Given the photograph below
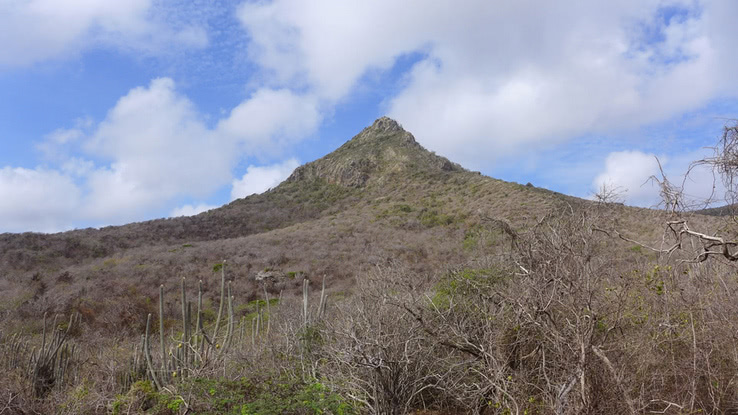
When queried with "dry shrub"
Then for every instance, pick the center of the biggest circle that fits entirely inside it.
(376, 352)
(573, 322)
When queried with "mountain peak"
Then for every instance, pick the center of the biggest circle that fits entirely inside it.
(378, 152)
(386, 125)
(384, 131)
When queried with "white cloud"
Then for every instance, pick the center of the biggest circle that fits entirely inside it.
(64, 136)
(701, 185)
(261, 178)
(495, 79)
(290, 38)
(36, 30)
(159, 149)
(629, 172)
(152, 148)
(271, 119)
(190, 210)
(56, 145)
(77, 167)
(489, 80)
(720, 27)
(36, 200)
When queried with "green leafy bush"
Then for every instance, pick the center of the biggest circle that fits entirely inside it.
(288, 397)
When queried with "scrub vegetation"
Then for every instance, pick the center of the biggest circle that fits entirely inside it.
(380, 279)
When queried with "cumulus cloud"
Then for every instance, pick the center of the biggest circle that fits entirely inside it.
(57, 144)
(496, 78)
(158, 148)
(292, 41)
(190, 210)
(486, 81)
(629, 172)
(36, 30)
(271, 119)
(37, 200)
(258, 179)
(154, 147)
(77, 167)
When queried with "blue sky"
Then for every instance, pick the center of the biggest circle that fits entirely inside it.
(112, 112)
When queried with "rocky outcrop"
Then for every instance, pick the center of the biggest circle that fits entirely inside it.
(380, 149)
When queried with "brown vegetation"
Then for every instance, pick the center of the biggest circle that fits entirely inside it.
(446, 292)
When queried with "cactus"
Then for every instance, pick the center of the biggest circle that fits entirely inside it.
(161, 324)
(306, 305)
(305, 294)
(147, 354)
(202, 338)
(269, 311)
(185, 325)
(321, 306)
(229, 330)
(222, 299)
(253, 331)
(136, 369)
(49, 365)
(195, 349)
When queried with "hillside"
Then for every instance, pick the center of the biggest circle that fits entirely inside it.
(379, 208)
(379, 198)
(727, 210)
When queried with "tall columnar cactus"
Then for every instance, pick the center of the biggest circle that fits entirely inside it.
(161, 326)
(269, 311)
(201, 338)
(321, 305)
(195, 349)
(147, 354)
(185, 325)
(136, 370)
(13, 351)
(306, 318)
(49, 365)
(305, 295)
(229, 330)
(222, 299)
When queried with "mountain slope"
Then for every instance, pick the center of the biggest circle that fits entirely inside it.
(427, 264)
(380, 198)
(382, 155)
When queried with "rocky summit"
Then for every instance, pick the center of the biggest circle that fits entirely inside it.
(380, 150)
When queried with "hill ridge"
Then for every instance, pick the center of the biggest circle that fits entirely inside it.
(384, 148)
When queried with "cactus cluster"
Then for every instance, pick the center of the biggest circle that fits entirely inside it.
(13, 351)
(195, 348)
(50, 364)
(307, 318)
(136, 369)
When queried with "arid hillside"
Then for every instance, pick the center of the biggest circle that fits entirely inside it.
(488, 279)
(378, 199)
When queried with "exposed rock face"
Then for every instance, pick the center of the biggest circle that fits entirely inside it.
(379, 150)
(385, 125)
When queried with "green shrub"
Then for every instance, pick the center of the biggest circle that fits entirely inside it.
(431, 217)
(460, 285)
(143, 398)
(290, 397)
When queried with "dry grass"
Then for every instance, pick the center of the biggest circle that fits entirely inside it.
(559, 319)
